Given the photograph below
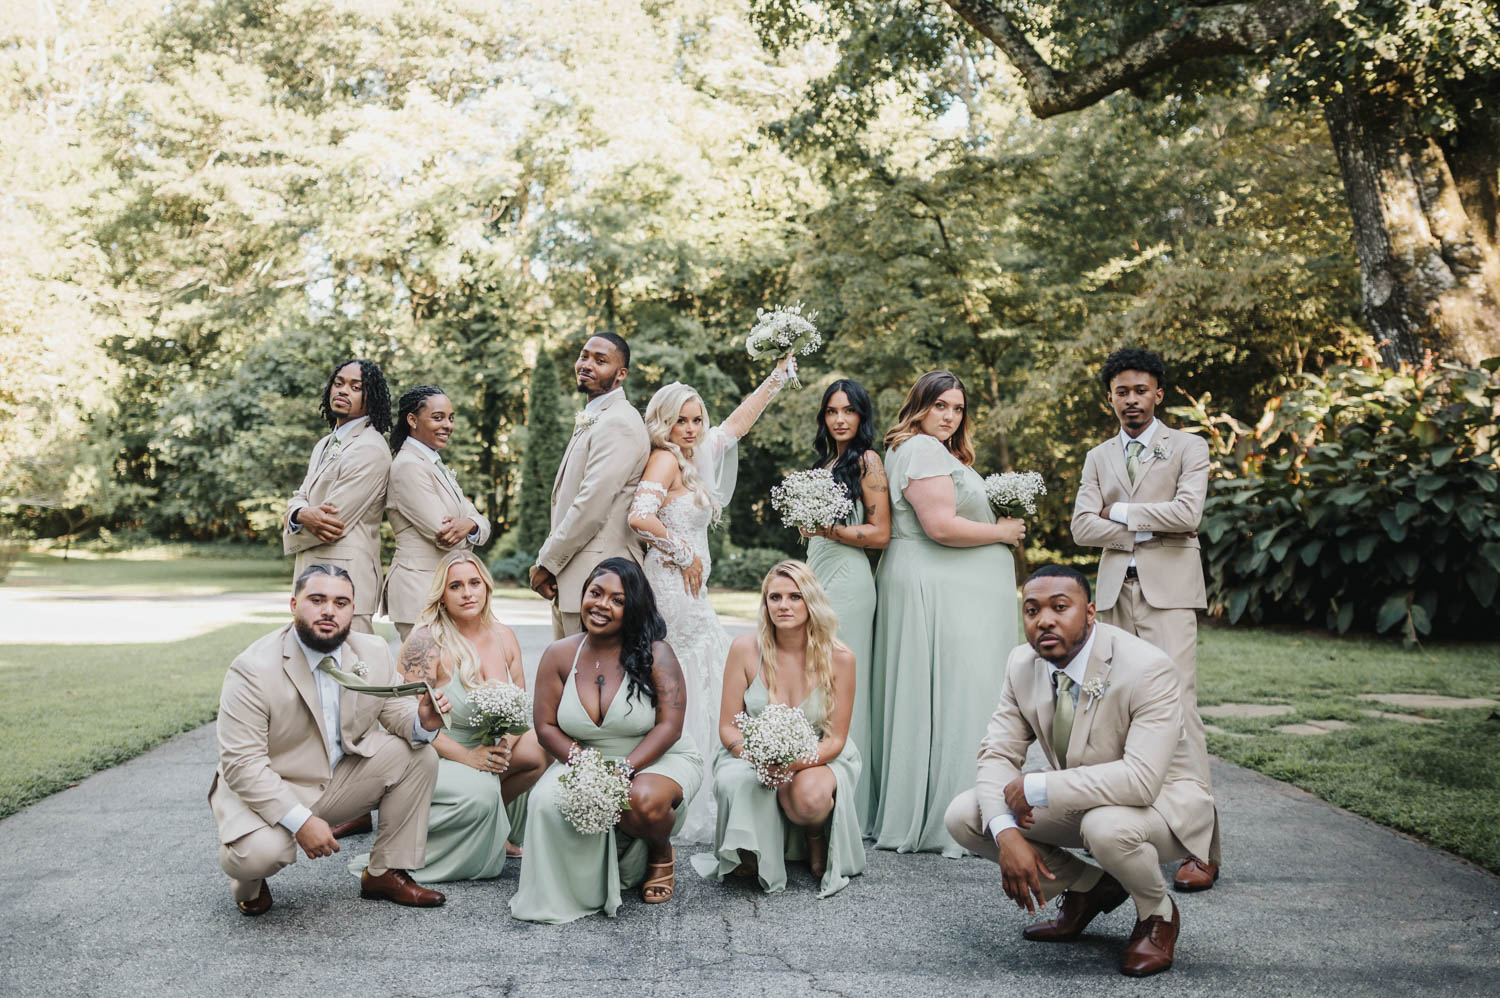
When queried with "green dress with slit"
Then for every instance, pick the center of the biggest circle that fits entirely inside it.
(750, 818)
(566, 874)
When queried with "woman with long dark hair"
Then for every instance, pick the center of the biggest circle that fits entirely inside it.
(946, 617)
(616, 688)
(845, 444)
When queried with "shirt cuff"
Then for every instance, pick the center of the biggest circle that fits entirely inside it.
(421, 734)
(473, 537)
(294, 819)
(1002, 822)
(1035, 787)
(293, 525)
(1118, 512)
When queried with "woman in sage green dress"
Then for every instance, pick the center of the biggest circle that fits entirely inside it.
(946, 618)
(845, 445)
(615, 688)
(794, 658)
(480, 798)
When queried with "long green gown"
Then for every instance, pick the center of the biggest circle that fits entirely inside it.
(945, 623)
(751, 819)
(845, 574)
(468, 823)
(566, 874)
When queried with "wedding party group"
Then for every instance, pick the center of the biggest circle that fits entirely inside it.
(894, 704)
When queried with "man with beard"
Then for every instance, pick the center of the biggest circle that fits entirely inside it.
(298, 751)
(594, 485)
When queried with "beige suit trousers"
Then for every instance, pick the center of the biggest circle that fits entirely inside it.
(1129, 843)
(1176, 633)
(565, 624)
(363, 623)
(398, 779)
(402, 630)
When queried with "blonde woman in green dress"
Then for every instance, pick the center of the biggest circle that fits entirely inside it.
(845, 445)
(480, 794)
(945, 621)
(794, 658)
(615, 688)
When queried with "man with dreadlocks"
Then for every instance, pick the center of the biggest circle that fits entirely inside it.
(334, 516)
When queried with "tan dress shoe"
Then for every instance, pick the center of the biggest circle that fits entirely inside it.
(397, 886)
(258, 905)
(1151, 944)
(1077, 909)
(1195, 875)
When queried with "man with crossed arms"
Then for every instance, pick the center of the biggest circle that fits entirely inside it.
(1106, 708)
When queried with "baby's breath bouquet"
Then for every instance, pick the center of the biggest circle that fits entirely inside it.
(500, 709)
(811, 499)
(1013, 492)
(592, 791)
(778, 736)
(781, 328)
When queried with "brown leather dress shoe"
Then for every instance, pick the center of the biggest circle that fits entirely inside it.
(397, 886)
(355, 826)
(1151, 944)
(258, 905)
(1195, 875)
(1077, 910)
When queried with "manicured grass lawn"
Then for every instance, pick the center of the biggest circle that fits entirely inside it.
(155, 573)
(1435, 781)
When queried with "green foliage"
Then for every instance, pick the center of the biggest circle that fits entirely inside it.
(1365, 498)
(546, 440)
(746, 569)
(514, 567)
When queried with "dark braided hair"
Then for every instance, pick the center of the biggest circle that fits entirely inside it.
(642, 624)
(412, 402)
(849, 468)
(377, 395)
(1133, 359)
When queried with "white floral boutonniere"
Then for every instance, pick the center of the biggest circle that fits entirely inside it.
(1095, 689)
(1160, 451)
(361, 670)
(584, 420)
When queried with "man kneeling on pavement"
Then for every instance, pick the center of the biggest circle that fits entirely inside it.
(1105, 707)
(297, 750)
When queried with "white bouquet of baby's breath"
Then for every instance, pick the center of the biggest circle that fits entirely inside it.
(592, 792)
(1014, 491)
(778, 736)
(811, 499)
(781, 328)
(500, 709)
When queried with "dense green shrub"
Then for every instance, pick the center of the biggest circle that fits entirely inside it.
(1365, 497)
(514, 567)
(746, 568)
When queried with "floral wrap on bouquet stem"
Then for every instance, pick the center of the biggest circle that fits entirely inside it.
(1012, 493)
(592, 791)
(811, 500)
(781, 328)
(775, 738)
(500, 709)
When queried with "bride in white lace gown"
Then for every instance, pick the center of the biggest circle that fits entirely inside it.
(688, 480)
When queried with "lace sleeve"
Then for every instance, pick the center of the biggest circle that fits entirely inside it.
(648, 500)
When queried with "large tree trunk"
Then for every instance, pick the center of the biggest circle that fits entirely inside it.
(1424, 214)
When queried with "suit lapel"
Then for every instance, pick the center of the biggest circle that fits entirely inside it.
(294, 663)
(1098, 667)
(1115, 456)
(1148, 459)
(1046, 706)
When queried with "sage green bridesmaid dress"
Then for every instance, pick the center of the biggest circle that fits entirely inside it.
(751, 819)
(944, 626)
(845, 575)
(566, 874)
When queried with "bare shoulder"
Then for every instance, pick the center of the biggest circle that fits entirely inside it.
(871, 464)
(843, 657)
(661, 466)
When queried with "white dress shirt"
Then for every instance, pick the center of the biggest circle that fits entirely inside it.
(1035, 784)
(435, 458)
(328, 698)
(1120, 511)
(340, 433)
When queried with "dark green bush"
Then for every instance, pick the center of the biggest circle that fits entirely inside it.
(513, 567)
(746, 568)
(1364, 498)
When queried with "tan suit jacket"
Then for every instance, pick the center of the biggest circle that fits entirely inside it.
(272, 752)
(1167, 498)
(591, 499)
(419, 496)
(355, 481)
(1127, 748)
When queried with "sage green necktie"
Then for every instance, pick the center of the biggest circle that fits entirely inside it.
(354, 684)
(1062, 718)
(1133, 459)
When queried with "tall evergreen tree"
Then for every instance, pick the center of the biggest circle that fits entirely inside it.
(546, 439)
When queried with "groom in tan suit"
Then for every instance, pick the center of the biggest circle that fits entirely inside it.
(296, 751)
(1141, 499)
(1106, 708)
(334, 516)
(594, 485)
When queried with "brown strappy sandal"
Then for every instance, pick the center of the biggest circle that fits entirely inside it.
(659, 886)
(817, 854)
(749, 868)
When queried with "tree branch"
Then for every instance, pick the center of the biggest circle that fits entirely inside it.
(1199, 32)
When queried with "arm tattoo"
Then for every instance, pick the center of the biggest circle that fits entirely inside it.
(876, 481)
(419, 659)
(669, 690)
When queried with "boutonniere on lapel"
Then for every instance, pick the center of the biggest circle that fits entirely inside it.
(584, 420)
(334, 446)
(1095, 689)
(361, 670)
(1161, 451)
(452, 475)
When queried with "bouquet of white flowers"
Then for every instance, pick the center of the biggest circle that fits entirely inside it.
(592, 792)
(811, 499)
(500, 709)
(781, 328)
(1014, 491)
(778, 736)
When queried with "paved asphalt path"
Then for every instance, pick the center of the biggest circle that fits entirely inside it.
(111, 888)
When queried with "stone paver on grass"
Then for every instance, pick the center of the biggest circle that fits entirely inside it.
(1429, 701)
(1313, 727)
(1246, 710)
(1403, 718)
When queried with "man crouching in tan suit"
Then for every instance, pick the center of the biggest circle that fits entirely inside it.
(1106, 708)
(296, 751)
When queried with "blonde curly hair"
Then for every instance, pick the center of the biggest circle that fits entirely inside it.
(662, 413)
